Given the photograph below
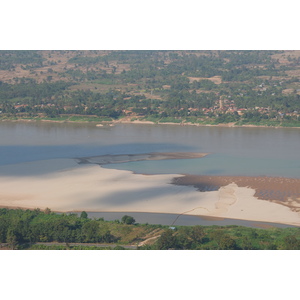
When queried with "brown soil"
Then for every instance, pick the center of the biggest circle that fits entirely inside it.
(285, 191)
(282, 57)
(293, 73)
(288, 91)
(151, 96)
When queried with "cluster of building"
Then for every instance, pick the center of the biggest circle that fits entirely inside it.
(226, 106)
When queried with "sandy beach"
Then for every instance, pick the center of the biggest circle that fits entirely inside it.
(275, 189)
(69, 186)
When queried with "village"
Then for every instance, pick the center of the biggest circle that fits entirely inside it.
(226, 106)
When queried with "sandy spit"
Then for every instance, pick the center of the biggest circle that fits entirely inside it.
(121, 158)
(72, 187)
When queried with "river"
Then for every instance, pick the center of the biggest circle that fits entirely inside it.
(233, 151)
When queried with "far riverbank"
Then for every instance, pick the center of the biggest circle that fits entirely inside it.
(99, 123)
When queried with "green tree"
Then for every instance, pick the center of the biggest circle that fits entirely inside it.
(197, 234)
(246, 243)
(12, 238)
(128, 220)
(90, 232)
(47, 211)
(227, 243)
(83, 215)
(291, 243)
(223, 240)
(167, 240)
(107, 237)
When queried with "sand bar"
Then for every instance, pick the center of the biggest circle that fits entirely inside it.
(124, 158)
(282, 190)
(72, 187)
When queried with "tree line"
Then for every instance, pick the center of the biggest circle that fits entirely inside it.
(20, 229)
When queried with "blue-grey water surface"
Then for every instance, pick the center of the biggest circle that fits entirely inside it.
(233, 151)
(181, 220)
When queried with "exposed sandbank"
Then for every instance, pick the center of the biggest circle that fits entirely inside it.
(123, 158)
(73, 187)
(282, 190)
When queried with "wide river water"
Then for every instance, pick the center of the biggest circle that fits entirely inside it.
(233, 151)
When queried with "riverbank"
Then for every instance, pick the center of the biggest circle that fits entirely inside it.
(72, 187)
(101, 123)
(184, 123)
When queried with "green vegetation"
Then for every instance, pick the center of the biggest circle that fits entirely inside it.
(227, 238)
(37, 230)
(88, 119)
(207, 87)
(9, 59)
(127, 220)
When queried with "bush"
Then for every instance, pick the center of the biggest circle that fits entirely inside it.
(128, 220)
(83, 215)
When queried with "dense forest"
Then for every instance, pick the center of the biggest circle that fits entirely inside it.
(36, 229)
(201, 87)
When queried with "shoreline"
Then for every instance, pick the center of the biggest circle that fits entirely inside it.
(88, 187)
(203, 219)
(122, 121)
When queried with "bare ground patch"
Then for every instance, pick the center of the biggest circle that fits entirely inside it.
(281, 190)
(283, 57)
(214, 79)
